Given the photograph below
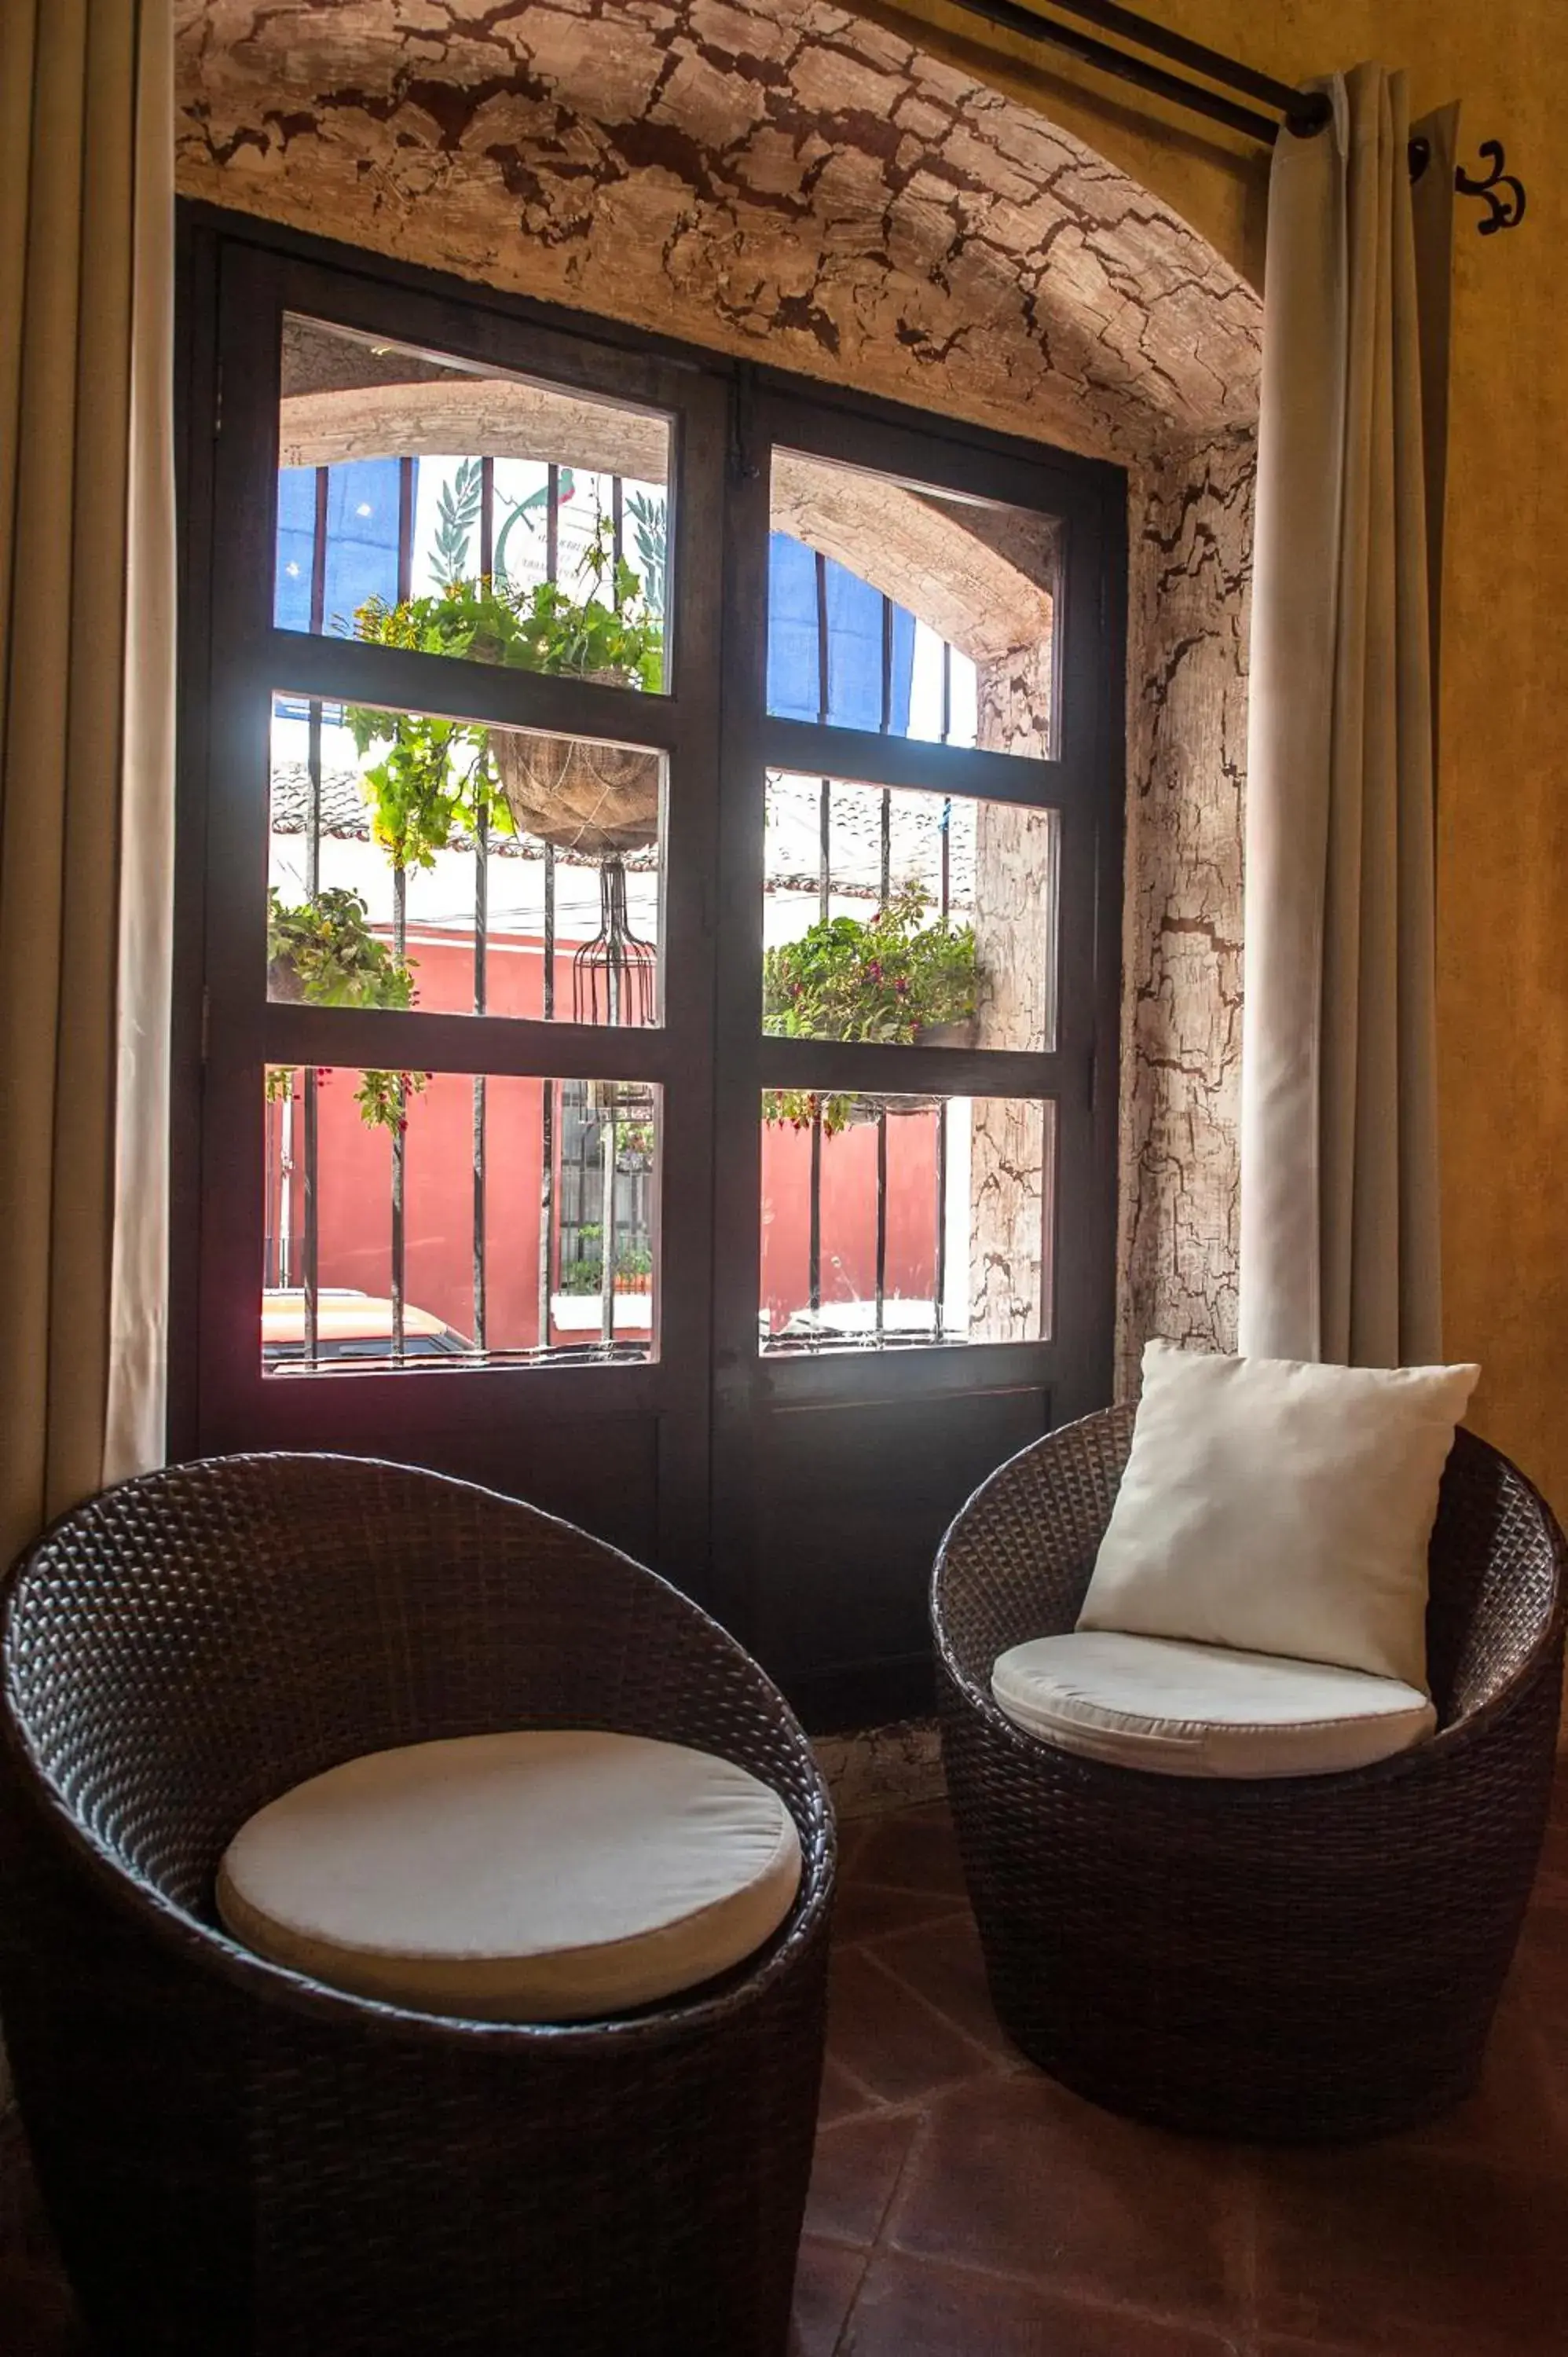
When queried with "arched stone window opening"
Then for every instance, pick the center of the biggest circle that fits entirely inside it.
(796, 185)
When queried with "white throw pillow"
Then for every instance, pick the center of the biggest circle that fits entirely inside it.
(1277, 1507)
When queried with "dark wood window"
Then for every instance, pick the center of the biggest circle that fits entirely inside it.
(651, 867)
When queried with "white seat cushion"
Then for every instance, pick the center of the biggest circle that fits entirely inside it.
(1280, 1508)
(1200, 1710)
(540, 1877)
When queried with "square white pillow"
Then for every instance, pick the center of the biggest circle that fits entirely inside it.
(1275, 1507)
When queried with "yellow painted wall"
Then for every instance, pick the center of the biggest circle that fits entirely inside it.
(1504, 788)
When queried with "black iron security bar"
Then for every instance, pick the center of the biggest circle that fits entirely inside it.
(1303, 111)
(828, 1063)
(292, 1256)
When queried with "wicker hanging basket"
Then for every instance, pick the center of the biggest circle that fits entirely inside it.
(285, 986)
(582, 795)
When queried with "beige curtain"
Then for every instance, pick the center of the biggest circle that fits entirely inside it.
(86, 742)
(1340, 1179)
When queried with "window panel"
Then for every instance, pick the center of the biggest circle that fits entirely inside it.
(450, 1220)
(463, 869)
(429, 503)
(915, 612)
(893, 1221)
(907, 918)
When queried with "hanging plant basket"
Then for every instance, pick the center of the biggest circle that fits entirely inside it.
(580, 795)
(865, 1109)
(796, 1108)
(964, 1034)
(286, 984)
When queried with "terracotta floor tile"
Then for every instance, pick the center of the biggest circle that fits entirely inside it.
(1017, 2176)
(1541, 1965)
(857, 2166)
(1551, 2032)
(916, 1850)
(853, 1834)
(37, 2317)
(843, 2097)
(826, 2280)
(868, 1910)
(909, 2307)
(943, 1963)
(887, 2037)
(1273, 2345)
(1512, 2121)
(1411, 2255)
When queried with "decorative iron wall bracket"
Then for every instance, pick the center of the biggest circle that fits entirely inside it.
(1504, 195)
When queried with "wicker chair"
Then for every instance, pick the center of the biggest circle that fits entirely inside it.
(238, 2159)
(1301, 1959)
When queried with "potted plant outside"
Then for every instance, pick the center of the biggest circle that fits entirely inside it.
(893, 979)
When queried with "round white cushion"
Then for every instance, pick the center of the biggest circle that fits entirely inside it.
(553, 1876)
(1180, 1709)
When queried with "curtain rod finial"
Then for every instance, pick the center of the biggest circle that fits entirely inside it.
(1313, 113)
(1504, 194)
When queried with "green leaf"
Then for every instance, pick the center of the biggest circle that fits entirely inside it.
(883, 979)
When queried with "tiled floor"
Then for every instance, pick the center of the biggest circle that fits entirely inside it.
(964, 2206)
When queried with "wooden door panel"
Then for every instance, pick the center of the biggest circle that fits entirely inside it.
(852, 1505)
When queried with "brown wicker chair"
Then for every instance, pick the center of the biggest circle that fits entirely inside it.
(238, 2159)
(1301, 1959)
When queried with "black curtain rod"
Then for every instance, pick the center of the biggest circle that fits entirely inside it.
(1303, 111)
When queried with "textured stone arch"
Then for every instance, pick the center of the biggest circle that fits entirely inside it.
(759, 176)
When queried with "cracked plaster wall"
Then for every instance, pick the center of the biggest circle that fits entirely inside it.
(1181, 998)
(797, 182)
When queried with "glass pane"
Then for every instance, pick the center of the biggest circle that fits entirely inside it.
(434, 504)
(911, 611)
(462, 870)
(447, 1220)
(907, 918)
(888, 1221)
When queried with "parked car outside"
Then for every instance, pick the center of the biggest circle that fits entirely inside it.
(350, 1326)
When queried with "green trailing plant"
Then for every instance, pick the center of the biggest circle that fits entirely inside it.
(886, 979)
(433, 778)
(432, 782)
(325, 951)
(327, 945)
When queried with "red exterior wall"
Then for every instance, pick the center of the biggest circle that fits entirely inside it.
(354, 1193)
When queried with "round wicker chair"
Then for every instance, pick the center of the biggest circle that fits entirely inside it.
(1300, 1959)
(236, 2158)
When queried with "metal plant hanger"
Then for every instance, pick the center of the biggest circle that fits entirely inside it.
(613, 975)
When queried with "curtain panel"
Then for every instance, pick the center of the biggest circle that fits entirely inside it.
(1339, 1256)
(87, 575)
